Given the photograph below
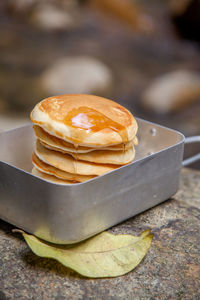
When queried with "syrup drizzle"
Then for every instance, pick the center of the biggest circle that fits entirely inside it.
(124, 149)
(91, 120)
(75, 158)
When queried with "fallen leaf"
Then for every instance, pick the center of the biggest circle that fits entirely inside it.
(104, 255)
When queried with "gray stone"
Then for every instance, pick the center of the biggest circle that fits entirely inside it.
(49, 17)
(171, 269)
(172, 91)
(77, 74)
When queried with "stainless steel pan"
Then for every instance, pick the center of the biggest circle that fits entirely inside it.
(71, 213)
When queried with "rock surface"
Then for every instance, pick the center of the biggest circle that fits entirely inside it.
(171, 269)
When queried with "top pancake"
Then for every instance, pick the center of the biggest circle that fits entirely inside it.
(85, 120)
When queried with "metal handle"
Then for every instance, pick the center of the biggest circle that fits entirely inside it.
(190, 160)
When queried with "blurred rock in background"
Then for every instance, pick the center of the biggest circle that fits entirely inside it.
(77, 74)
(49, 17)
(172, 92)
(54, 14)
(130, 51)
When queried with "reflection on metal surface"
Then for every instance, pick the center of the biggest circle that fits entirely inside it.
(153, 131)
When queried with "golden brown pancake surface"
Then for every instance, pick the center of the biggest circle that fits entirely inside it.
(67, 163)
(121, 157)
(48, 169)
(85, 120)
(50, 178)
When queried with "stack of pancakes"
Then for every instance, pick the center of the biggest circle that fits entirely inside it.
(80, 137)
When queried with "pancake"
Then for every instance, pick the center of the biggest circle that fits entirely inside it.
(45, 168)
(50, 177)
(68, 164)
(58, 144)
(107, 157)
(85, 120)
(102, 156)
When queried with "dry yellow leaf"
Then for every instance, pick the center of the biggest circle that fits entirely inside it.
(104, 255)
